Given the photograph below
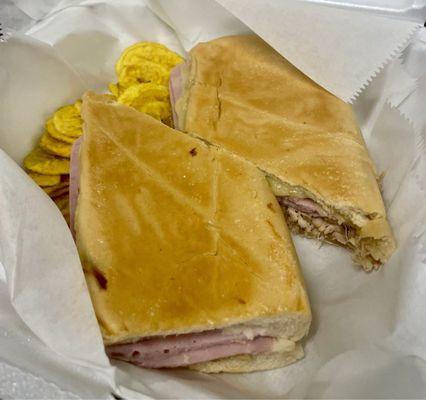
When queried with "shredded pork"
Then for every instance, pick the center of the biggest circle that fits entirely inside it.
(308, 217)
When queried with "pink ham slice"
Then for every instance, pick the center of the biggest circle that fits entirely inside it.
(176, 90)
(74, 179)
(182, 350)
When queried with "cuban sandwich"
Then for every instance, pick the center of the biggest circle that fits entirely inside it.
(238, 93)
(186, 253)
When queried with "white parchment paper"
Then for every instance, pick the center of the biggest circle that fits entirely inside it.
(367, 338)
(340, 49)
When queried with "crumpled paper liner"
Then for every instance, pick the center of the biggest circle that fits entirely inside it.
(367, 334)
(340, 49)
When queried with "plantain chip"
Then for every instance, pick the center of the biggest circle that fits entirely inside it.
(114, 89)
(143, 92)
(54, 146)
(67, 120)
(78, 105)
(157, 109)
(57, 192)
(146, 71)
(62, 202)
(43, 163)
(168, 121)
(153, 52)
(51, 129)
(45, 180)
(54, 192)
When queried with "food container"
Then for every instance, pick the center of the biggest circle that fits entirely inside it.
(367, 338)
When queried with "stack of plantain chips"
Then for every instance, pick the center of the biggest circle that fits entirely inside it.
(49, 163)
(143, 72)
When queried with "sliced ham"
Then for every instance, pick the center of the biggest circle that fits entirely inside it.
(74, 180)
(176, 90)
(182, 350)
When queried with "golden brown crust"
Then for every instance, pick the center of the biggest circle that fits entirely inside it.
(271, 114)
(174, 239)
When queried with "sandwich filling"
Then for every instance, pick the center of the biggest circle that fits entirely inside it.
(176, 90)
(306, 215)
(187, 349)
(74, 177)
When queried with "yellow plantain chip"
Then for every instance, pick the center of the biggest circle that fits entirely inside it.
(146, 71)
(154, 52)
(62, 202)
(136, 95)
(54, 146)
(114, 89)
(67, 120)
(50, 127)
(77, 106)
(43, 163)
(157, 109)
(168, 121)
(45, 180)
(65, 181)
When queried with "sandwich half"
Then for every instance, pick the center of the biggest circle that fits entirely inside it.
(185, 250)
(239, 93)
